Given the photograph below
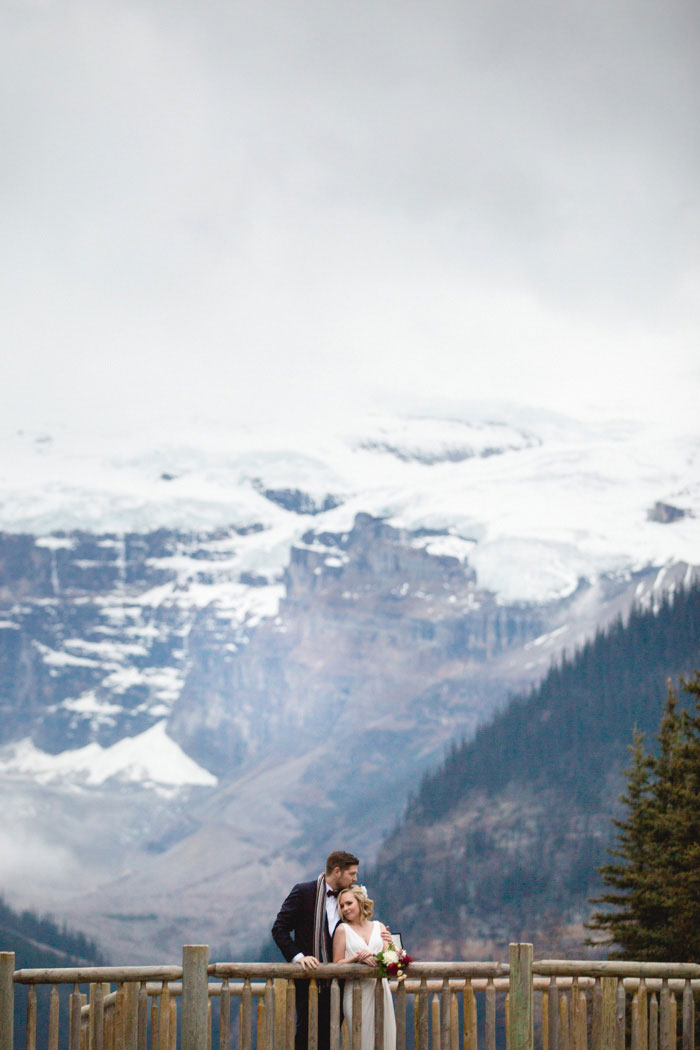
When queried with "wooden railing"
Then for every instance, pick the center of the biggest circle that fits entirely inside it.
(520, 1005)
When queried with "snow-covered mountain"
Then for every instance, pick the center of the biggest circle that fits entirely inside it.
(222, 655)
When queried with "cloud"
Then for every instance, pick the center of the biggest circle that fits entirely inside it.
(275, 207)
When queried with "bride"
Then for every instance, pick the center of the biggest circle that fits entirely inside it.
(358, 939)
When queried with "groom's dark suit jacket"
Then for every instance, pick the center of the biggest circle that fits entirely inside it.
(293, 930)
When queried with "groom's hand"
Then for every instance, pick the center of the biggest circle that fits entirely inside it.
(386, 937)
(308, 962)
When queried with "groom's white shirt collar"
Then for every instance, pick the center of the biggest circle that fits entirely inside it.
(332, 913)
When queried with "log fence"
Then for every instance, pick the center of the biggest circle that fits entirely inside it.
(519, 1005)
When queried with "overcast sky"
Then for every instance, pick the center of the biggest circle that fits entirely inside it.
(239, 208)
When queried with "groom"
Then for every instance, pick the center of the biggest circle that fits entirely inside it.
(303, 932)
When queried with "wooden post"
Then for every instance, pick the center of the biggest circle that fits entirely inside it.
(246, 1023)
(7, 1000)
(609, 1013)
(84, 1023)
(164, 1014)
(634, 1022)
(582, 1022)
(597, 1019)
(261, 1026)
(109, 1027)
(142, 1036)
(401, 1016)
(131, 1014)
(454, 1021)
(553, 1015)
(564, 1022)
(416, 1021)
(422, 1017)
(653, 1022)
(269, 1015)
(335, 1015)
(400, 1010)
(643, 1016)
(195, 997)
(688, 1018)
(574, 1010)
(280, 986)
(620, 1006)
(469, 1018)
(291, 1014)
(356, 1026)
(507, 1019)
(119, 1018)
(54, 1005)
(155, 1025)
(573, 1014)
(665, 1017)
(91, 1016)
(74, 1030)
(521, 1020)
(31, 1018)
(225, 1016)
(435, 1017)
(378, 1014)
(445, 1015)
(490, 1020)
(312, 1021)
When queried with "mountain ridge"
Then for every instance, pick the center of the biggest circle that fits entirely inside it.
(260, 637)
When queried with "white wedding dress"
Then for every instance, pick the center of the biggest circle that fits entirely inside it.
(353, 944)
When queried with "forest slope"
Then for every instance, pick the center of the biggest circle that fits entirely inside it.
(502, 842)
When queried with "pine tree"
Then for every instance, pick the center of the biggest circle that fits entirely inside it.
(679, 830)
(653, 910)
(632, 876)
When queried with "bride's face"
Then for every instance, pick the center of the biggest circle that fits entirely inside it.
(349, 907)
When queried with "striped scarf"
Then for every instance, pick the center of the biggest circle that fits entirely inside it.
(320, 942)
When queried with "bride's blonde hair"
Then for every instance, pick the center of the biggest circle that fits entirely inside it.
(366, 905)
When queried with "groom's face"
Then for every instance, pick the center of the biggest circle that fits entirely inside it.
(341, 879)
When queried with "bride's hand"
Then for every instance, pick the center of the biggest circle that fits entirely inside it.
(366, 957)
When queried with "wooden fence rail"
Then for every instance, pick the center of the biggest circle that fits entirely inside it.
(519, 1005)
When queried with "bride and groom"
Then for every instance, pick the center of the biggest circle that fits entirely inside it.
(330, 920)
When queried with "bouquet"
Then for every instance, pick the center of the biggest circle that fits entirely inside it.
(393, 961)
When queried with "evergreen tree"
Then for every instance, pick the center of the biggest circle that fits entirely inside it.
(653, 910)
(679, 831)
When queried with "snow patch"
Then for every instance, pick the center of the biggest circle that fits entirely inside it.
(90, 704)
(55, 658)
(545, 639)
(56, 543)
(151, 759)
(528, 570)
(446, 547)
(164, 682)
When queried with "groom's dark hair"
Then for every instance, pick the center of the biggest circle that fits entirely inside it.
(340, 858)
